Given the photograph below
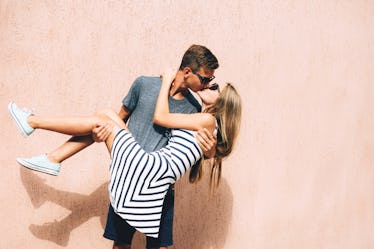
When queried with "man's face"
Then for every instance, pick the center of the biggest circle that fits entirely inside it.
(199, 80)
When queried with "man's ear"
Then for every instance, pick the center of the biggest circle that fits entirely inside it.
(186, 72)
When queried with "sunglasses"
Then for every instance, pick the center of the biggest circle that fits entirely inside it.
(205, 80)
(214, 87)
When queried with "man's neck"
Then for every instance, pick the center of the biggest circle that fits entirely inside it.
(177, 93)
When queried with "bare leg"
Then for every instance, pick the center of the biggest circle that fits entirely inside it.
(76, 126)
(73, 125)
(70, 148)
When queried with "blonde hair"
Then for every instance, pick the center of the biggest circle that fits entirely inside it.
(227, 111)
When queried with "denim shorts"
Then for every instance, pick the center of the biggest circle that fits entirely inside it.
(120, 232)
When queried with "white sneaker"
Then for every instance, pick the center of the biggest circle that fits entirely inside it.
(40, 163)
(20, 118)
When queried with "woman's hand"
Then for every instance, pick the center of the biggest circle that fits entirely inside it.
(168, 77)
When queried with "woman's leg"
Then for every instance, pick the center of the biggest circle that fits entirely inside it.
(78, 143)
(68, 125)
(51, 163)
(77, 126)
(70, 148)
(73, 125)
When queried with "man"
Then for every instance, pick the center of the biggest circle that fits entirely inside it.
(195, 73)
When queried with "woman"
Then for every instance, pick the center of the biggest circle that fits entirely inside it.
(139, 180)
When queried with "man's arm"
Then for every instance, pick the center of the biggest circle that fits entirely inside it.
(124, 113)
(102, 130)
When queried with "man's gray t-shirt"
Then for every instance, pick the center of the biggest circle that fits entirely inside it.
(141, 102)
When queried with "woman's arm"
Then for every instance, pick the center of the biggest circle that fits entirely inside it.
(163, 117)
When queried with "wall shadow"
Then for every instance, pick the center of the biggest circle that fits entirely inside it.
(202, 221)
(82, 207)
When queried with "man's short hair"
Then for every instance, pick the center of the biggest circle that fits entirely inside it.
(198, 56)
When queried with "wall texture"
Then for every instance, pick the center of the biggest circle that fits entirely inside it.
(302, 175)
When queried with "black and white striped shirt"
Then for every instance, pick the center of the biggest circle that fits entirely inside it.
(139, 180)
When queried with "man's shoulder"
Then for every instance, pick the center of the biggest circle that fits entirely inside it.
(147, 83)
(148, 79)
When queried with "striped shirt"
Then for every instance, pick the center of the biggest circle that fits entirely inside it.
(139, 180)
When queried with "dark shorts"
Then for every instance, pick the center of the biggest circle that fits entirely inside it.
(120, 232)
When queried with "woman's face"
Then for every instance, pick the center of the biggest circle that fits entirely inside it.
(209, 96)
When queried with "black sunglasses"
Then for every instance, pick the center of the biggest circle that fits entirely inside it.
(205, 80)
(214, 87)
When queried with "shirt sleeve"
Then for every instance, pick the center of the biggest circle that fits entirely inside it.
(132, 97)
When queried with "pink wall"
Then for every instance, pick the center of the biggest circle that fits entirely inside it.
(302, 174)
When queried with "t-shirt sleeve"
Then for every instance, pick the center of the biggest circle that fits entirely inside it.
(132, 97)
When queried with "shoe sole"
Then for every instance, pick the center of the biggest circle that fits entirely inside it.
(16, 120)
(37, 167)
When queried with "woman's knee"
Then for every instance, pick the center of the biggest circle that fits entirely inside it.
(109, 116)
(104, 115)
(113, 116)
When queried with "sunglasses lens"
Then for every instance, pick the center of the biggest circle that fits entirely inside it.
(205, 80)
(214, 86)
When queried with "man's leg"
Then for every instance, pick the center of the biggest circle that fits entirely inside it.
(123, 246)
(117, 230)
(165, 238)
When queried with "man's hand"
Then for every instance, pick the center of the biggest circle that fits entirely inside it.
(101, 131)
(207, 142)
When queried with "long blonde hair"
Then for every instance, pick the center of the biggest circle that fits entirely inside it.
(227, 110)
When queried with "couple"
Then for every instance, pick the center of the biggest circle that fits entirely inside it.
(140, 180)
